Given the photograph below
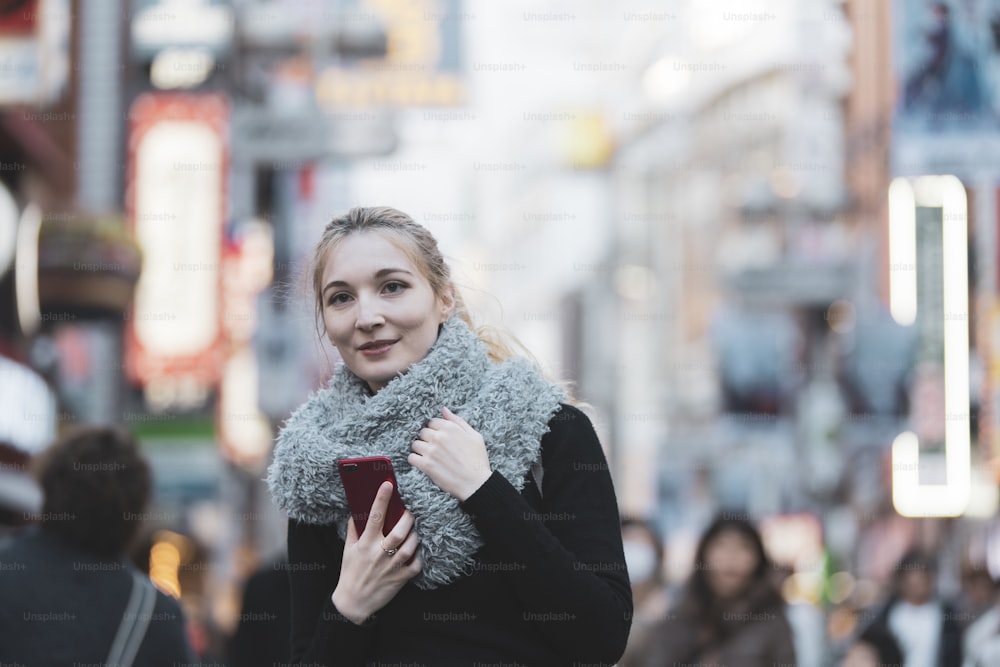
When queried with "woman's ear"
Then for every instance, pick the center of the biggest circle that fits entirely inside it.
(448, 302)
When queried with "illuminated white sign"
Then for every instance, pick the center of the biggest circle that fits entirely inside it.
(909, 496)
(29, 313)
(8, 229)
(181, 68)
(182, 23)
(28, 408)
(178, 190)
(244, 430)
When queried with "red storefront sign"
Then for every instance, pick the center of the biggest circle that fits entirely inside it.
(176, 191)
(18, 17)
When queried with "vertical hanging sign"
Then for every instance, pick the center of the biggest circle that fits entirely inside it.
(932, 260)
(178, 157)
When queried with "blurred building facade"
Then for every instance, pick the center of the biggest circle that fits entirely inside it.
(732, 194)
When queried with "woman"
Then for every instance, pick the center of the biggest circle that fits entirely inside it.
(730, 613)
(510, 550)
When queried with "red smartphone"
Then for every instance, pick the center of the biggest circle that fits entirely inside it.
(361, 478)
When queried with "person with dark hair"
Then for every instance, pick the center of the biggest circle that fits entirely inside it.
(925, 627)
(68, 596)
(509, 550)
(730, 613)
(874, 647)
(981, 640)
(644, 556)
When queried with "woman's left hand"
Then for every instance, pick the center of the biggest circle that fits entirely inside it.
(452, 454)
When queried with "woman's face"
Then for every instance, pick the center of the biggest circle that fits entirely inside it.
(730, 561)
(372, 293)
(917, 586)
(860, 655)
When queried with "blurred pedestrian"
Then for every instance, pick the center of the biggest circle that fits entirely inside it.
(510, 549)
(981, 640)
(68, 596)
(924, 625)
(978, 593)
(874, 647)
(644, 556)
(806, 621)
(730, 613)
(20, 495)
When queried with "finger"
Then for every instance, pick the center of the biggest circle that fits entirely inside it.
(426, 434)
(409, 547)
(420, 447)
(417, 461)
(399, 532)
(439, 426)
(352, 532)
(436, 424)
(451, 416)
(376, 517)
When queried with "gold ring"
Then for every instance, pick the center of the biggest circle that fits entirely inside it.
(388, 552)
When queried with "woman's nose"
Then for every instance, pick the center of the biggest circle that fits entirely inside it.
(369, 313)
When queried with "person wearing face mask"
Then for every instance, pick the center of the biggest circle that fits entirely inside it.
(509, 550)
(650, 597)
(730, 612)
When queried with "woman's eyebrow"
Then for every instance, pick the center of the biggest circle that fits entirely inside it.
(378, 274)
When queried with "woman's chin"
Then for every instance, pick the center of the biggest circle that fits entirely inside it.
(378, 382)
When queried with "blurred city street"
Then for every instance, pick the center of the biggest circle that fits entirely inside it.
(759, 239)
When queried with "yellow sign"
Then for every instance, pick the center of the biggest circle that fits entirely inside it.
(337, 88)
(420, 67)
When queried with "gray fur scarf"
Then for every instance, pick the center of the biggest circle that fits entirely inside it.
(509, 403)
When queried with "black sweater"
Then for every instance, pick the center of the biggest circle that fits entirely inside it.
(550, 587)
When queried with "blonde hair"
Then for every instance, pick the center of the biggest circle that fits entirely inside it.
(421, 249)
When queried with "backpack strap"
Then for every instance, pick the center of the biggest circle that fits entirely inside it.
(135, 620)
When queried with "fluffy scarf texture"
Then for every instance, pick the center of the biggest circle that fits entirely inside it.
(508, 403)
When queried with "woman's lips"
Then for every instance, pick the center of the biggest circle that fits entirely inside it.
(376, 351)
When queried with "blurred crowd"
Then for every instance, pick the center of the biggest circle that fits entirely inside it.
(733, 610)
(73, 547)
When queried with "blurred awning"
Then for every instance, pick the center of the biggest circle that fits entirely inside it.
(87, 269)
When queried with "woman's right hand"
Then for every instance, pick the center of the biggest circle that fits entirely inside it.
(370, 577)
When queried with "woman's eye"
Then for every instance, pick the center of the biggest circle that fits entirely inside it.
(400, 287)
(336, 299)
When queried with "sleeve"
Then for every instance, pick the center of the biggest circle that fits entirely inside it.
(168, 642)
(973, 640)
(951, 638)
(571, 578)
(783, 651)
(321, 635)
